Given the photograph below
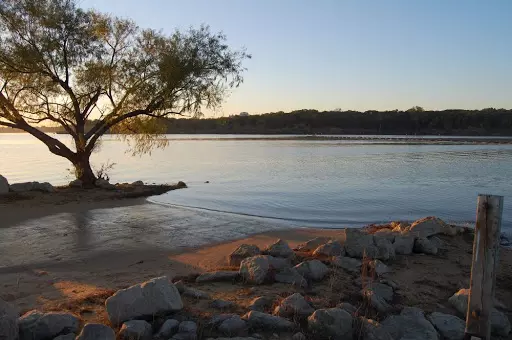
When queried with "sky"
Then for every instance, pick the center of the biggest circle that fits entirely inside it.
(352, 55)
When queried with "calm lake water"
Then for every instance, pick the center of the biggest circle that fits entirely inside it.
(296, 182)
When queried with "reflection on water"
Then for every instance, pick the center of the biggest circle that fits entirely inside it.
(293, 182)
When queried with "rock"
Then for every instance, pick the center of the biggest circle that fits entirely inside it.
(329, 249)
(261, 303)
(221, 304)
(449, 326)
(291, 276)
(279, 249)
(69, 336)
(235, 338)
(180, 286)
(314, 269)
(332, 323)
(429, 226)
(391, 283)
(382, 290)
(181, 185)
(376, 301)
(195, 293)
(218, 276)
(410, 324)
(378, 267)
(261, 268)
(152, 297)
(4, 186)
(436, 241)
(22, 187)
(423, 245)
(311, 245)
(403, 244)
(242, 252)
(216, 320)
(258, 320)
(233, 326)
(168, 328)
(187, 330)
(136, 330)
(8, 318)
(500, 324)
(36, 325)
(76, 183)
(43, 187)
(386, 234)
(359, 244)
(299, 336)
(347, 263)
(372, 330)
(96, 331)
(294, 306)
(349, 308)
(184, 336)
(385, 249)
(104, 184)
(138, 183)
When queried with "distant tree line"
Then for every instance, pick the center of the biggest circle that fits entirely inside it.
(415, 121)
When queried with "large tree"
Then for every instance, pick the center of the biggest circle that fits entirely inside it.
(67, 66)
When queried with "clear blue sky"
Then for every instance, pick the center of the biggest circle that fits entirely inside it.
(360, 55)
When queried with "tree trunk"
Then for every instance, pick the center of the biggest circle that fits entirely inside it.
(83, 170)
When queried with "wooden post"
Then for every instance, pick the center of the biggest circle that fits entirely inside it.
(483, 271)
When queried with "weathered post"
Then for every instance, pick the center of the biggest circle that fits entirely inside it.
(485, 262)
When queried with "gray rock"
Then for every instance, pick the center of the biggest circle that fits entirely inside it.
(104, 184)
(22, 187)
(221, 304)
(69, 336)
(294, 306)
(152, 297)
(217, 276)
(76, 183)
(403, 244)
(258, 320)
(4, 185)
(8, 319)
(449, 326)
(233, 326)
(138, 183)
(410, 324)
(136, 330)
(311, 245)
(351, 309)
(168, 329)
(299, 336)
(43, 187)
(385, 249)
(331, 248)
(314, 269)
(372, 330)
(217, 320)
(500, 324)
(291, 276)
(279, 249)
(386, 234)
(180, 286)
(436, 241)
(385, 291)
(430, 226)
(195, 293)
(187, 327)
(261, 303)
(36, 325)
(376, 301)
(242, 252)
(359, 244)
(256, 269)
(332, 323)
(423, 245)
(96, 331)
(378, 267)
(184, 336)
(391, 283)
(347, 263)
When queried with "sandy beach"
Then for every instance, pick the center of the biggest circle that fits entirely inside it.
(80, 279)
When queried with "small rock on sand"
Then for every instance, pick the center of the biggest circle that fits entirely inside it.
(136, 330)
(410, 324)
(242, 252)
(258, 320)
(168, 328)
(96, 331)
(260, 304)
(311, 245)
(329, 249)
(423, 245)
(372, 330)
(294, 306)
(358, 244)
(449, 326)
(279, 249)
(430, 226)
(403, 244)
(4, 185)
(233, 326)
(314, 269)
(347, 263)
(37, 325)
(331, 323)
(217, 276)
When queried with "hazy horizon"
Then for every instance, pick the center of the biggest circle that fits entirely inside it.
(351, 55)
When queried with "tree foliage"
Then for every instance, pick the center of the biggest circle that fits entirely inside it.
(65, 65)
